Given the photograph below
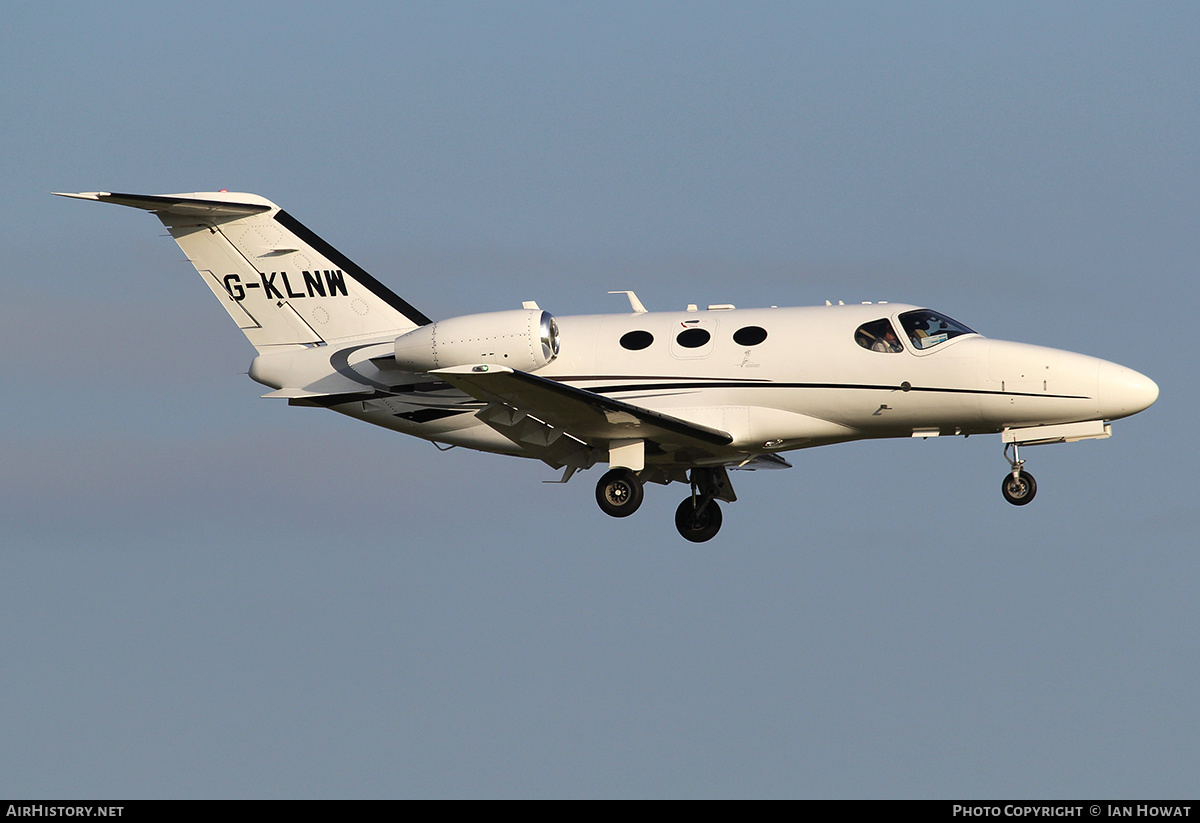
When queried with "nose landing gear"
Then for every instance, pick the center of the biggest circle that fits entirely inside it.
(1018, 486)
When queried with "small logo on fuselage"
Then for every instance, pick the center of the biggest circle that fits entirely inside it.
(276, 285)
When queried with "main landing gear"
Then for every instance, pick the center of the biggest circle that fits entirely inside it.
(698, 518)
(619, 493)
(1018, 487)
(698, 522)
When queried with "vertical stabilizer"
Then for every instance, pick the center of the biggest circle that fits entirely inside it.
(282, 284)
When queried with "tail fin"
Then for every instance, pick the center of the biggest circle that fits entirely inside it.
(281, 284)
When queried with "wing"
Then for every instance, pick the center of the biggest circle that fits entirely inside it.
(561, 424)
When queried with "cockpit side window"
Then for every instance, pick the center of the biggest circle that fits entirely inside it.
(927, 328)
(878, 335)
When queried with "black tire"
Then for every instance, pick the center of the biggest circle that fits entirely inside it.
(1019, 490)
(698, 529)
(619, 493)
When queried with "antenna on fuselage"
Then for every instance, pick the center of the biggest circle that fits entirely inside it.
(634, 303)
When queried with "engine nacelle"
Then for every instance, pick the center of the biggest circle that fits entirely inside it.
(523, 339)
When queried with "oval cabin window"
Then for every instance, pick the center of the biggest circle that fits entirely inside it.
(693, 338)
(636, 340)
(749, 336)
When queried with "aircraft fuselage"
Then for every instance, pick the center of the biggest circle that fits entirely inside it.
(806, 383)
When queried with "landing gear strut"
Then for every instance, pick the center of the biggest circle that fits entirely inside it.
(698, 517)
(1018, 487)
(619, 493)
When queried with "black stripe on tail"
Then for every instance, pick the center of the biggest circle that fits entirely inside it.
(342, 261)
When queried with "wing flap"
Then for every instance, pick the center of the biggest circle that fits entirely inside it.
(552, 446)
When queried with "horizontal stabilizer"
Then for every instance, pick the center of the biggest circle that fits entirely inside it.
(305, 394)
(176, 203)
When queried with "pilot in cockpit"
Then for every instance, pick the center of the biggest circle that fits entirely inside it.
(887, 341)
(878, 335)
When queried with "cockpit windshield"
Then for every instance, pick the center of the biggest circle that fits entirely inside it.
(927, 328)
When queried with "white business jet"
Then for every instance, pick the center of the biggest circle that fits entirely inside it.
(658, 396)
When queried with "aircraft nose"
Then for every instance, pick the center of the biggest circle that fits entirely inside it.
(1123, 391)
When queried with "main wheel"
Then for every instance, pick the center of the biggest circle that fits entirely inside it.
(698, 527)
(619, 493)
(1019, 490)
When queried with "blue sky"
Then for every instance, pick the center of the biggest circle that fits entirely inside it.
(212, 595)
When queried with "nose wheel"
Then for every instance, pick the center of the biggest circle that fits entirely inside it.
(619, 493)
(1019, 489)
(1018, 486)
